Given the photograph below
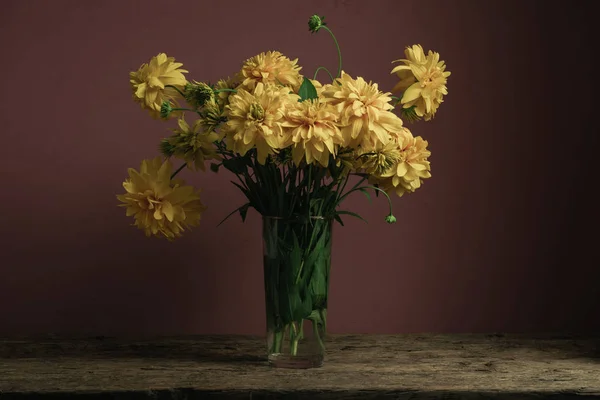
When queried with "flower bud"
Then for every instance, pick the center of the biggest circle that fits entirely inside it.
(315, 23)
(166, 109)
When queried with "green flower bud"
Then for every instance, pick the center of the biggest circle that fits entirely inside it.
(166, 148)
(315, 23)
(165, 109)
(214, 167)
(390, 219)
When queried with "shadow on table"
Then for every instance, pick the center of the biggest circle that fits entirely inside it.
(215, 350)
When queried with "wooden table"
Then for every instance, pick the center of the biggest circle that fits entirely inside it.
(414, 366)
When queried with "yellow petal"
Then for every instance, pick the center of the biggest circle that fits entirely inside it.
(412, 93)
(167, 209)
(402, 169)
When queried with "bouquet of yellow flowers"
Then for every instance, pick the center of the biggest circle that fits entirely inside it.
(292, 144)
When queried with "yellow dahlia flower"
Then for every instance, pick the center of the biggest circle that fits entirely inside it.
(407, 174)
(314, 132)
(160, 206)
(414, 55)
(423, 80)
(194, 144)
(365, 111)
(319, 86)
(378, 160)
(271, 67)
(213, 114)
(255, 119)
(223, 97)
(148, 83)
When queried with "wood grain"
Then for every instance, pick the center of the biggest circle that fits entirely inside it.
(425, 366)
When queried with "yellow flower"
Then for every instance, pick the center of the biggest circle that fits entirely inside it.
(149, 81)
(314, 132)
(423, 80)
(160, 206)
(378, 160)
(414, 55)
(213, 114)
(223, 97)
(365, 111)
(194, 144)
(271, 67)
(407, 174)
(255, 120)
(319, 86)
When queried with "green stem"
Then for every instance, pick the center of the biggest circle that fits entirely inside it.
(300, 270)
(370, 187)
(294, 338)
(324, 69)
(317, 336)
(301, 329)
(323, 315)
(183, 109)
(178, 170)
(351, 190)
(277, 336)
(225, 90)
(338, 49)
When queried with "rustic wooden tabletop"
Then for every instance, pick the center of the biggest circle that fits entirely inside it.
(411, 366)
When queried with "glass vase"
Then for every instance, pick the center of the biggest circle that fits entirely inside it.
(297, 259)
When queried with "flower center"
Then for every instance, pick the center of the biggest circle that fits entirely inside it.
(430, 78)
(257, 112)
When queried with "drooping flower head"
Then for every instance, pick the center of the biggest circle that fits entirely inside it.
(271, 67)
(313, 131)
(194, 144)
(412, 166)
(315, 23)
(255, 119)
(423, 80)
(365, 111)
(198, 93)
(160, 206)
(149, 81)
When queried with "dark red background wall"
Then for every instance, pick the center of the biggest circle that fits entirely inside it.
(495, 241)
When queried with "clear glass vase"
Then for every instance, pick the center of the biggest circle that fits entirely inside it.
(297, 259)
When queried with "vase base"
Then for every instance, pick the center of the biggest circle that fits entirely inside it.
(279, 360)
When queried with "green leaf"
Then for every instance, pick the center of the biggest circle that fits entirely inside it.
(245, 206)
(243, 211)
(295, 258)
(338, 219)
(366, 193)
(318, 284)
(236, 165)
(353, 214)
(307, 90)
